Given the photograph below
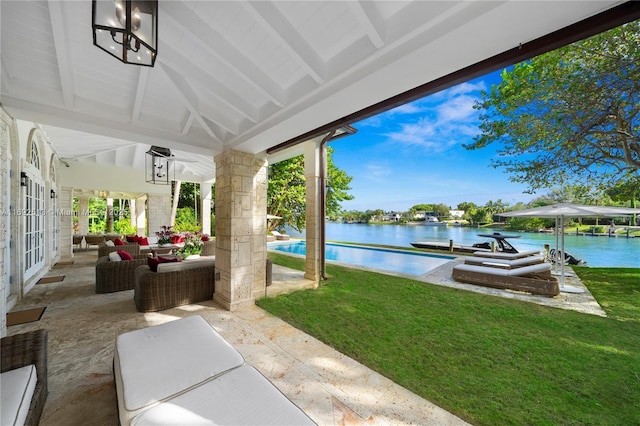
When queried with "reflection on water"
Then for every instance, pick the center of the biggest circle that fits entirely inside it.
(596, 251)
(406, 263)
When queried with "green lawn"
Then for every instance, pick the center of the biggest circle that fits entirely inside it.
(486, 359)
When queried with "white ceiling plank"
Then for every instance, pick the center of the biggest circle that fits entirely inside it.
(201, 78)
(62, 50)
(189, 98)
(187, 124)
(139, 96)
(367, 21)
(281, 29)
(216, 44)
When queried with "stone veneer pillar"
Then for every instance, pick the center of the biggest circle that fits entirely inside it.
(312, 153)
(83, 215)
(138, 215)
(65, 234)
(241, 228)
(159, 212)
(205, 202)
(5, 236)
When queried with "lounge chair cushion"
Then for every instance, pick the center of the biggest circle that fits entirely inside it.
(124, 255)
(509, 256)
(505, 263)
(241, 396)
(17, 388)
(114, 257)
(516, 272)
(109, 243)
(160, 362)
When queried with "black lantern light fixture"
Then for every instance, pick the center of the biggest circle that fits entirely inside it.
(53, 194)
(158, 166)
(24, 179)
(127, 29)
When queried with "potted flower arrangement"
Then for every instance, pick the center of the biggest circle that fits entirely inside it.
(192, 245)
(164, 235)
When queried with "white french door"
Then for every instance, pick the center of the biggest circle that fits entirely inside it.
(34, 226)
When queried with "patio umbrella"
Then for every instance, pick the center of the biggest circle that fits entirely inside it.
(270, 216)
(567, 210)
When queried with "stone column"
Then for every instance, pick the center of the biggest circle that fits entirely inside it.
(241, 225)
(205, 203)
(312, 153)
(65, 232)
(5, 226)
(83, 215)
(159, 212)
(138, 214)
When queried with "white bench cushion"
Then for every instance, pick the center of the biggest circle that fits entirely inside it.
(523, 271)
(157, 363)
(242, 396)
(17, 387)
(508, 256)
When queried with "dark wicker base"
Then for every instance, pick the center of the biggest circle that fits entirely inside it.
(24, 349)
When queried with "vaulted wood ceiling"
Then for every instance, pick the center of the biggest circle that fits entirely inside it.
(246, 75)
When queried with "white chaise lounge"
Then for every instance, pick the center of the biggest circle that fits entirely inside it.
(504, 263)
(184, 372)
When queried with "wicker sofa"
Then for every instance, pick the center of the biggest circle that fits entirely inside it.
(22, 350)
(117, 276)
(131, 248)
(175, 284)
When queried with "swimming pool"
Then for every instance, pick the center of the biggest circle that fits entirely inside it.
(374, 258)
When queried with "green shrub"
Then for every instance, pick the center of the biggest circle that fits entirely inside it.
(124, 227)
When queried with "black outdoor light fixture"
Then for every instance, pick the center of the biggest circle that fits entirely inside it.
(53, 194)
(127, 29)
(157, 166)
(24, 179)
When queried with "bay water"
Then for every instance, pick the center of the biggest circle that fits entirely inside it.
(596, 251)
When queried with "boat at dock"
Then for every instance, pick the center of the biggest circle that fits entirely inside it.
(501, 244)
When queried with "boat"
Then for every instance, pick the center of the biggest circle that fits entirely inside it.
(501, 244)
(433, 221)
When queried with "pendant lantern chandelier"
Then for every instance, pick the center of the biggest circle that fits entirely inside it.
(127, 29)
(158, 166)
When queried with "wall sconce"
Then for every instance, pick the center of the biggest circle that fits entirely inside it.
(157, 166)
(24, 179)
(102, 194)
(127, 29)
(53, 194)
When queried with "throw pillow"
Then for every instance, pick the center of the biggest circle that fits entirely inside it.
(131, 238)
(109, 243)
(114, 256)
(204, 237)
(153, 262)
(118, 242)
(144, 241)
(124, 255)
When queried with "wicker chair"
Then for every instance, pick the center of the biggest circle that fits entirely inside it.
(208, 248)
(93, 240)
(131, 248)
(117, 276)
(180, 283)
(24, 349)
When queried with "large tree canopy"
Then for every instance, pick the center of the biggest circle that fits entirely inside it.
(569, 115)
(286, 195)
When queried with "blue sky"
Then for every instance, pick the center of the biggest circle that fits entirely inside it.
(413, 154)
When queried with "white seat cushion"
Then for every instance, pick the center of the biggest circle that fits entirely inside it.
(241, 396)
(16, 388)
(156, 363)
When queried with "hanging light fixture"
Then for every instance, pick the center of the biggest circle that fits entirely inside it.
(127, 29)
(157, 166)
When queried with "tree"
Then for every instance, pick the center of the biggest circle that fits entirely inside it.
(286, 194)
(570, 115)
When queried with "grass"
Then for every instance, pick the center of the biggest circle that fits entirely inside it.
(486, 359)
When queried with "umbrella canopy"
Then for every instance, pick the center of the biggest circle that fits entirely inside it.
(270, 216)
(563, 210)
(572, 210)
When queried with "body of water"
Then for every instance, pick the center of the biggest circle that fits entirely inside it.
(373, 258)
(596, 251)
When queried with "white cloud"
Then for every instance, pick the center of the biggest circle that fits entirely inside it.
(378, 172)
